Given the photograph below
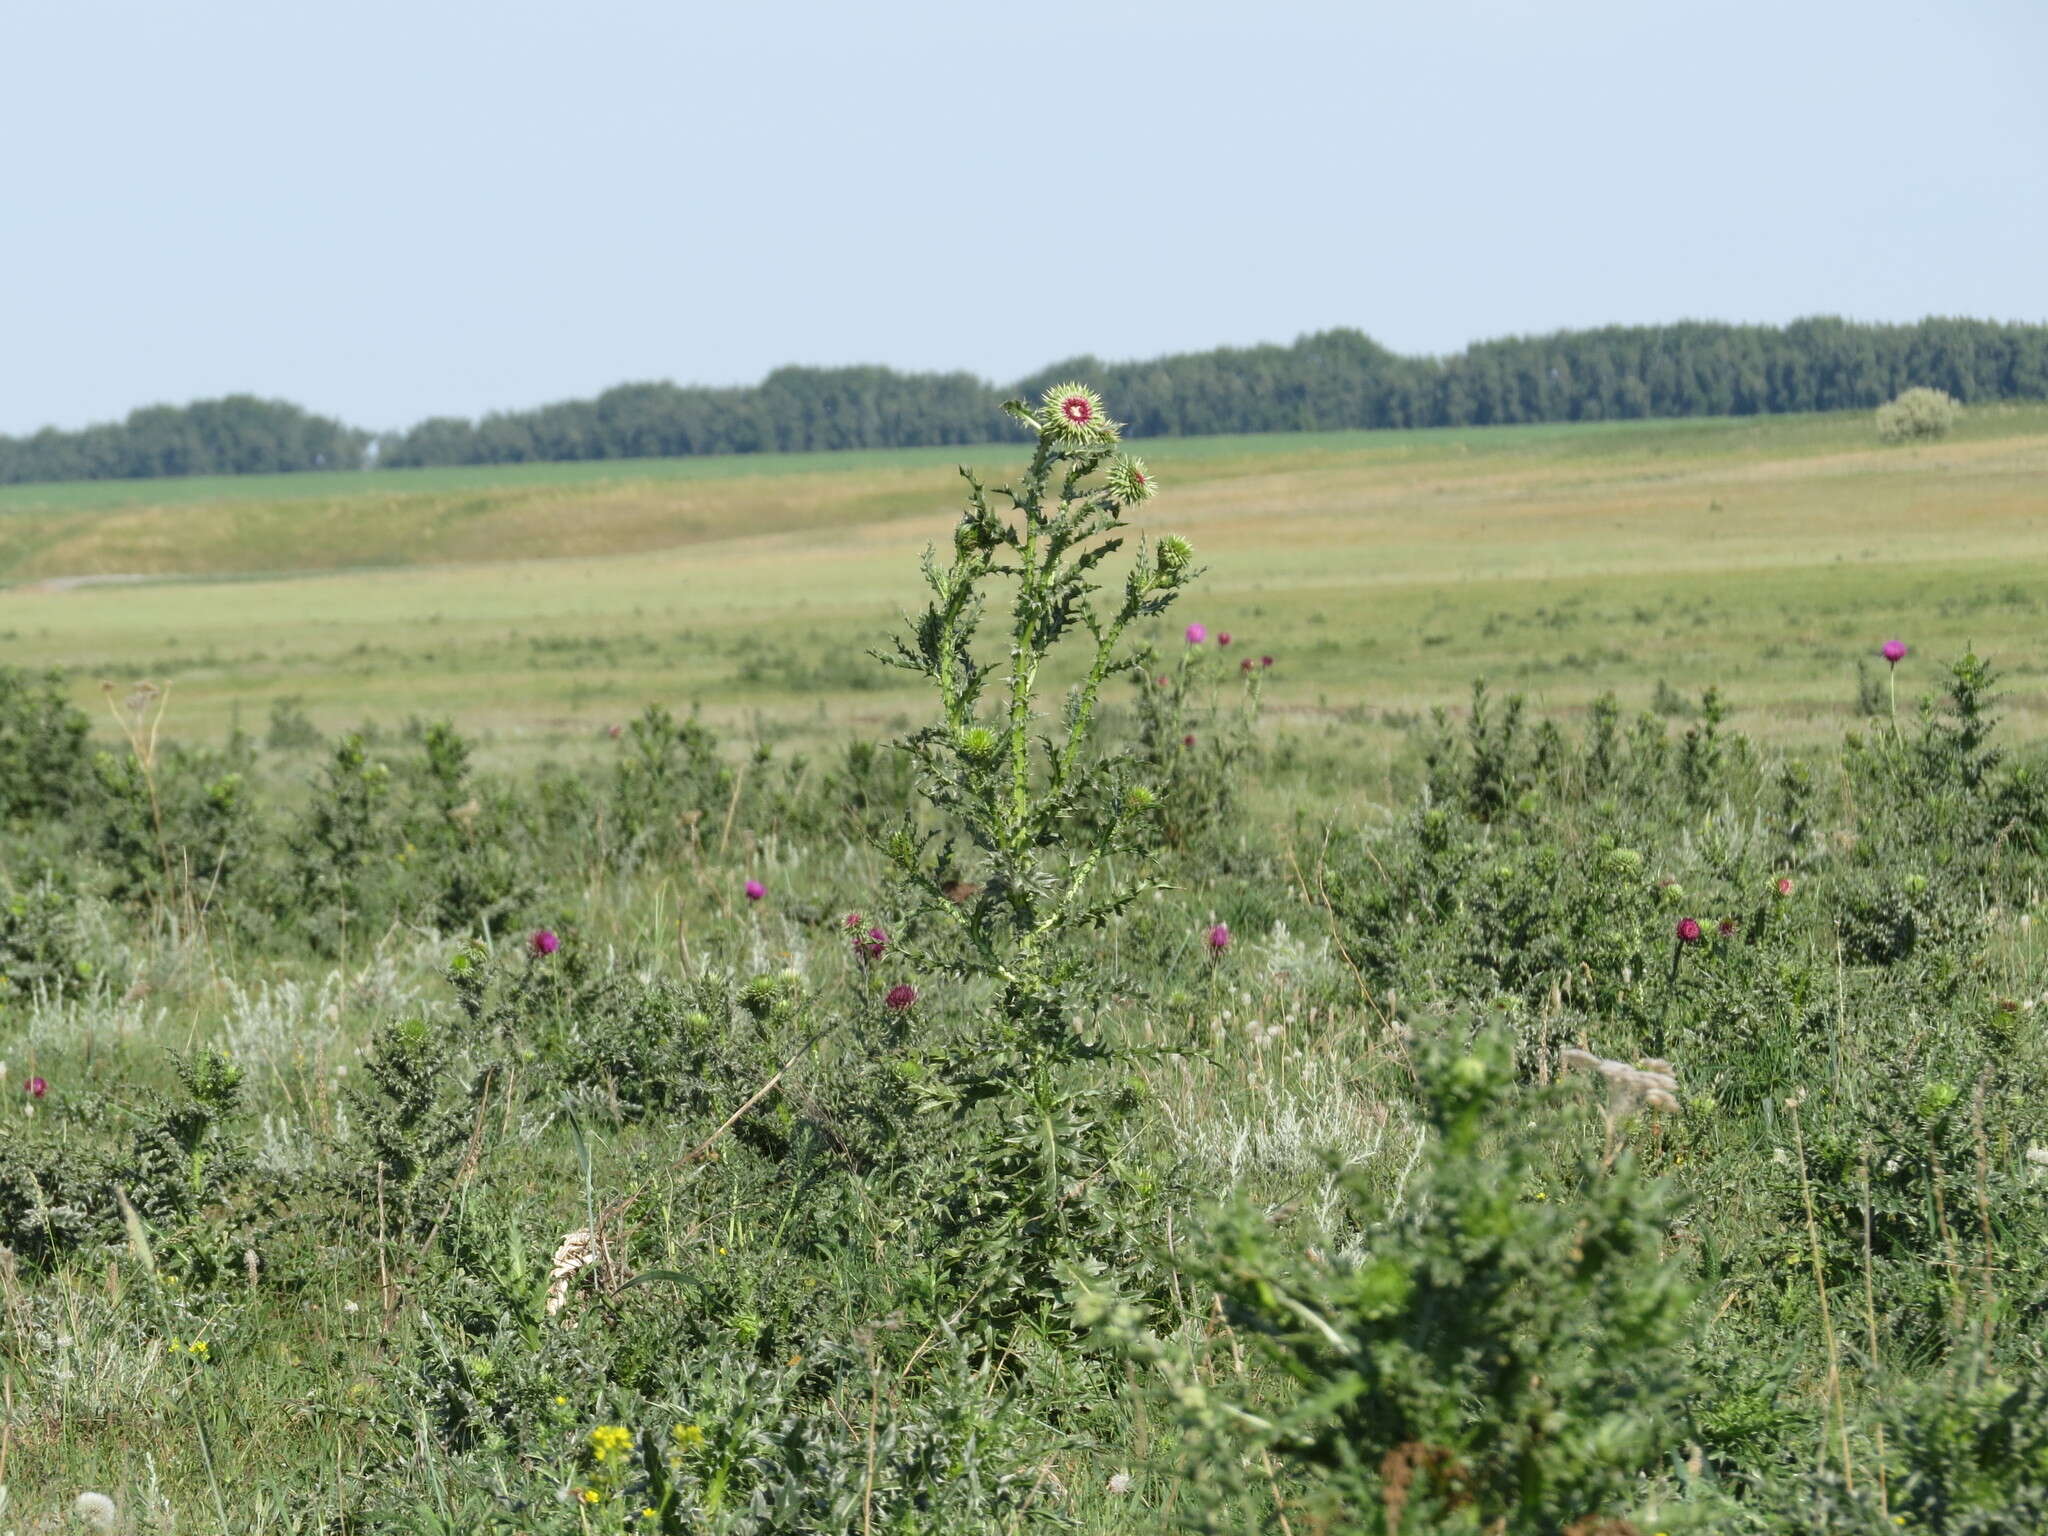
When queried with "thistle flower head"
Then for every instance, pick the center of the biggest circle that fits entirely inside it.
(1265, 661)
(1784, 885)
(1245, 665)
(1197, 633)
(901, 998)
(755, 890)
(1174, 554)
(1188, 740)
(544, 942)
(1688, 930)
(36, 1087)
(978, 744)
(1218, 938)
(1129, 480)
(870, 945)
(1894, 651)
(1223, 637)
(1074, 415)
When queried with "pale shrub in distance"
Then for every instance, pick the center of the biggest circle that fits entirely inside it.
(1917, 414)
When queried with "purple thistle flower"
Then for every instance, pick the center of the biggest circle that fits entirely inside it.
(1894, 651)
(1218, 939)
(870, 945)
(36, 1087)
(1223, 637)
(1688, 930)
(1265, 661)
(1245, 665)
(544, 942)
(756, 890)
(901, 997)
(1197, 633)
(1188, 740)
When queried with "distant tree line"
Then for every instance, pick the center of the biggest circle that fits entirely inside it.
(1334, 379)
(238, 435)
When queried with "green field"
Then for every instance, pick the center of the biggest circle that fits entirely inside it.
(1210, 1121)
(1384, 570)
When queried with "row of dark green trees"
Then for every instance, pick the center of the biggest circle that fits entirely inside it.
(1334, 379)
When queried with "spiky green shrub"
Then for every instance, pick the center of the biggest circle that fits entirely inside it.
(1048, 813)
(1497, 1351)
(1197, 737)
(42, 746)
(45, 950)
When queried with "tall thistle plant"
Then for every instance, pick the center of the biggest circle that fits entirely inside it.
(1046, 809)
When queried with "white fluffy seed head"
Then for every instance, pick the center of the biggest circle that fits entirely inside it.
(96, 1510)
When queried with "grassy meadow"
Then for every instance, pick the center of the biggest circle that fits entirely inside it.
(542, 603)
(1258, 1107)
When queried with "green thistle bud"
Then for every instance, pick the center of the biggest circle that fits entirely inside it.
(1937, 1097)
(1384, 1288)
(1624, 863)
(1130, 481)
(1074, 415)
(978, 744)
(1470, 1073)
(1138, 798)
(1174, 555)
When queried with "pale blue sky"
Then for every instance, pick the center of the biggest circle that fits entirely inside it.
(389, 210)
